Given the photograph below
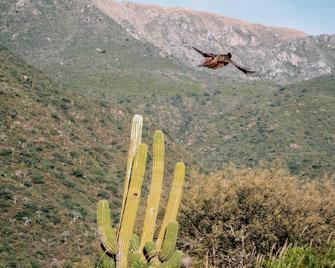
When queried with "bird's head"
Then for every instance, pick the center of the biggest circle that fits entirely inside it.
(229, 55)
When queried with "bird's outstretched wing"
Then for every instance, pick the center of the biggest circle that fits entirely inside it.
(206, 55)
(245, 70)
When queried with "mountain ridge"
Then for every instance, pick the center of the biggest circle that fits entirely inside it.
(128, 5)
(61, 37)
(279, 54)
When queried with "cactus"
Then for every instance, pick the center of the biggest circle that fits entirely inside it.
(174, 200)
(150, 250)
(107, 233)
(136, 261)
(174, 261)
(122, 244)
(106, 261)
(134, 243)
(155, 189)
(135, 140)
(131, 205)
(169, 243)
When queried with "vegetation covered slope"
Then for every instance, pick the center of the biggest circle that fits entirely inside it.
(62, 37)
(55, 149)
(244, 123)
(60, 153)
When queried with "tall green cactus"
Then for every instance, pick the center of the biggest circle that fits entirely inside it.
(135, 140)
(174, 200)
(155, 189)
(125, 246)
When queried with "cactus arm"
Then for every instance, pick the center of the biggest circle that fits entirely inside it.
(106, 232)
(135, 140)
(174, 200)
(174, 261)
(155, 189)
(134, 243)
(131, 205)
(169, 243)
(106, 261)
(150, 250)
(136, 260)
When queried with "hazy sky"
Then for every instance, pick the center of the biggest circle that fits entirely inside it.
(310, 16)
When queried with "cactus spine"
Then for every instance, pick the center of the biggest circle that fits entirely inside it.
(125, 246)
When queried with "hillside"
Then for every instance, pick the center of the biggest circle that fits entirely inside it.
(62, 38)
(56, 153)
(250, 122)
(60, 153)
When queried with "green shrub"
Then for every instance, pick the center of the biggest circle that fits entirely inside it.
(5, 152)
(37, 179)
(103, 194)
(302, 257)
(69, 184)
(78, 173)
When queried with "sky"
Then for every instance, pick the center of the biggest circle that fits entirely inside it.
(310, 16)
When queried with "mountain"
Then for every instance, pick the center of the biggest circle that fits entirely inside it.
(150, 43)
(62, 38)
(280, 54)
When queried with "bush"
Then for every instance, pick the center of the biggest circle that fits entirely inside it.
(78, 173)
(37, 179)
(302, 257)
(231, 217)
(103, 194)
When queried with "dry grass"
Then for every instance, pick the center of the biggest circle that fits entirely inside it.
(234, 217)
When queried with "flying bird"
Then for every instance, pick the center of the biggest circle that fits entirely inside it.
(214, 61)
